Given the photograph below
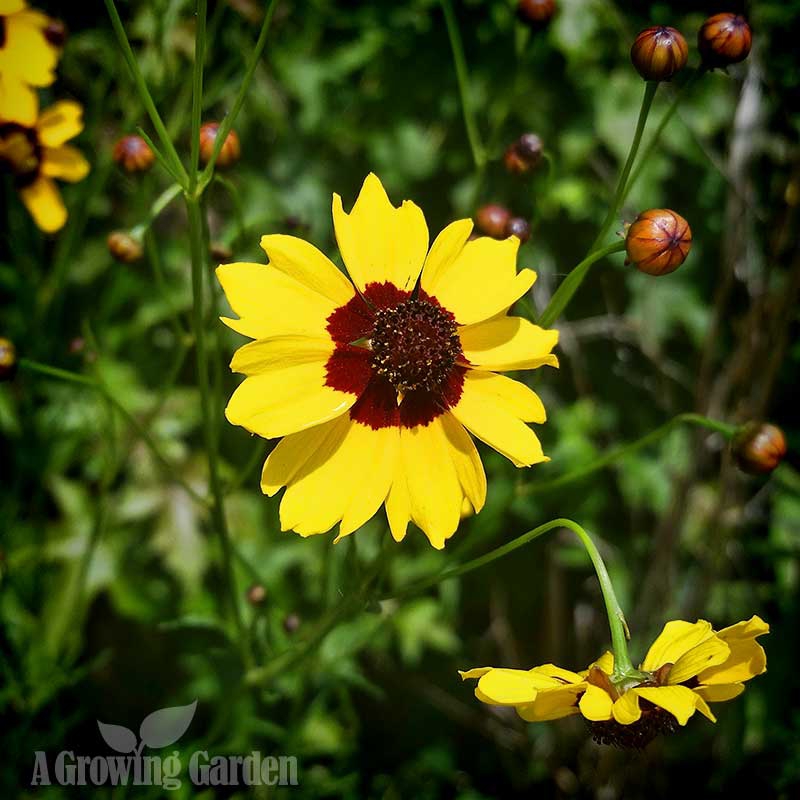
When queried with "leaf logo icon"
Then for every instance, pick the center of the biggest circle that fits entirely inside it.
(165, 726)
(118, 737)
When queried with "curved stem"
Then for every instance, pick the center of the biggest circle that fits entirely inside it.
(616, 618)
(626, 449)
(570, 284)
(462, 74)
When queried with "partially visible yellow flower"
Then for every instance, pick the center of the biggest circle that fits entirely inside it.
(37, 154)
(688, 666)
(27, 60)
(375, 383)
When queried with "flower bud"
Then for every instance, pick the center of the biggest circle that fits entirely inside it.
(724, 39)
(220, 251)
(8, 359)
(55, 32)
(492, 220)
(230, 152)
(519, 227)
(291, 623)
(133, 154)
(123, 247)
(758, 447)
(524, 154)
(658, 241)
(256, 595)
(536, 14)
(659, 52)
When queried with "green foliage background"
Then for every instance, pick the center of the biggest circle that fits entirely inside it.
(378, 710)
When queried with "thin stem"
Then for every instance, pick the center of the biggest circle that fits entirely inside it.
(462, 74)
(197, 89)
(626, 449)
(619, 194)
(144, 93)
(570, 284)
(230, 118)
(656, 137)
(158, 206)
(616, 618)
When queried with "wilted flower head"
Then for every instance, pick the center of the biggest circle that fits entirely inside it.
(687, 667)
(375, 383)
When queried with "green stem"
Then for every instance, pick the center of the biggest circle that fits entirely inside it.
(570, 284)
(616, 618)
(83, 380)
(230, 118)
(144, 93)
(157, 207)
(197, 89)
(656, 137)
(462, 74)
(627, 449)
(619, 194)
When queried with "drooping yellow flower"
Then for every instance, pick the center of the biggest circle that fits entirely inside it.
(38, 154)
(27, 59)
(688, 666)
(375, 383)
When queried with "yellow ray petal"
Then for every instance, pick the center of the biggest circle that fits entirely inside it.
(17, 101)
(59, 123)
(508, 343)
(626, 709)
(555, 703)
(379, 242)
(280, 352)
(302, 262)
(286, 400)
(26, 53)
(595, 704)
(605, 663)
(481, 281)
(709, 653)
(446, 247)
(43, 201)
(719, 693)
(514, 396)
(398, 504)
(749, 629)
(479, 412)
(676, 639)
(65, 162)
(746, 659)
(11, 6)
(678, 700)
(509, 687)
(553, 671)
(703, 708)
(271, 303)
(434, 489)
(475, 672)
(467, 462)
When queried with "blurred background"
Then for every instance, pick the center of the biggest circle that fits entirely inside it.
(378, 711)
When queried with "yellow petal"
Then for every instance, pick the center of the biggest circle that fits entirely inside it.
(703, 708)
(18, 102)
(467, 462)
(398, 504)
(675, 640)
(379, 242)
(678, 700)
(749, 629)
(293, 452)
(479, 411)
(11, 6)
(555, 703)
(605, 662)
(626, 709)
(65, 162)
(443, 252)
(270, 302)
(481, 281)
(513, 396)
(552, 671)
(508, 343)
(595, 704)
(434, 488)
(372, 478)
(719, 693)
(43, 201)
(302, 262)
(475, 672)
(709, 653)
(318, 497)
(747, 657)
(286, 400)
(509, 687)
(26, 53)
(280, 352)
(59, 123)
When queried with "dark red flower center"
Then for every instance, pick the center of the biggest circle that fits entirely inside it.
(398, 353)
(20, 152)
(414, 345)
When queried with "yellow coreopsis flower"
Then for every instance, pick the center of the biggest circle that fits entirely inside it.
(688, 666)
(27, 59)
(35, 155)
(374, 383)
